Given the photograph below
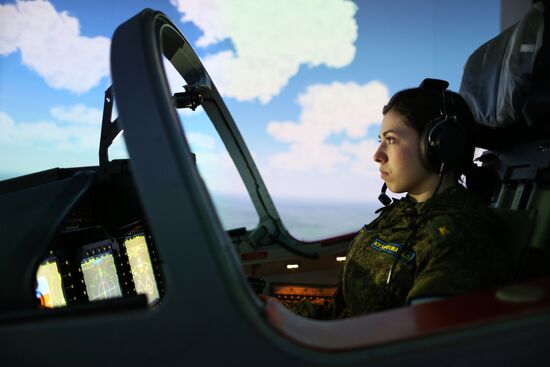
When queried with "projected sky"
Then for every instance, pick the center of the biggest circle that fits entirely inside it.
(304, 80)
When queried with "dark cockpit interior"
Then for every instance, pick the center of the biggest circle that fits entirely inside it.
(97, 245)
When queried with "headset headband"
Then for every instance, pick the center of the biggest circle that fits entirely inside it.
(437, 84)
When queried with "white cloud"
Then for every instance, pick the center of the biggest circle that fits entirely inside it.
(362, 153)
(51, 45)
(271, 40)
(78, 114)
(325, 172)
(309, 157)
(207, 15)
(55, 135)
(7, 126)
(199, 141)
(329, 154)
(328, 110)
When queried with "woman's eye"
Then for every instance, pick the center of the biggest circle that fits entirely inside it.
(388, 139)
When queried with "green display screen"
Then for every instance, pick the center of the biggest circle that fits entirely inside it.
(142, 268)
(100, 277)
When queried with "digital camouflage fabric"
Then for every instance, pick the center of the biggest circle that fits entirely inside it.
(455, 250)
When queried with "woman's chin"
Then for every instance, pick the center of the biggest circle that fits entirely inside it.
(394, 188)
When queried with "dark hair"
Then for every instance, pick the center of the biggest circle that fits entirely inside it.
(419, 106)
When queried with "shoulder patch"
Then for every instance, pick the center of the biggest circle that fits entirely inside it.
(393, 249)
(440, 227)
(443, 230)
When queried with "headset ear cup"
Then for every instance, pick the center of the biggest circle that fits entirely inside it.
(428, 152)
(450, 145)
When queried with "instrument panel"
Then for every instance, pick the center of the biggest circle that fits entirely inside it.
(86, 268)
(96, 246)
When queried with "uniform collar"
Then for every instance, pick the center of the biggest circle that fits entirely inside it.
(440, 199)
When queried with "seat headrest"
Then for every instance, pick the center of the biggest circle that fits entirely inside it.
(506, 81)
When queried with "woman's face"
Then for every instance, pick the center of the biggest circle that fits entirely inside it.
(399, 158)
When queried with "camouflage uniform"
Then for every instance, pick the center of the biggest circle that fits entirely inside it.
(455, 250)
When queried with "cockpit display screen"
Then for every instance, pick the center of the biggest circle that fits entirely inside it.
(49, 288)
(100, 277)
(142, 269)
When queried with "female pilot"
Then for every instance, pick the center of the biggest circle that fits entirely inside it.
(439, 240)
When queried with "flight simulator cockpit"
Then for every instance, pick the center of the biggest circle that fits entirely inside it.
(132, 254)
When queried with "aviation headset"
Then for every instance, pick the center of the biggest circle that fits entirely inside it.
(444, 139)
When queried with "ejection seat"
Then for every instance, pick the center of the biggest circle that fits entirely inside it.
(506, 82)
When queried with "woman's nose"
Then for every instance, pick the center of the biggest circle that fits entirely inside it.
(379, 155)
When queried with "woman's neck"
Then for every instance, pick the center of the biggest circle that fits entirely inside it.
(428, 189)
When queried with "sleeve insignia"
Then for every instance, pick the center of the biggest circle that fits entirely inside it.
(443, 230)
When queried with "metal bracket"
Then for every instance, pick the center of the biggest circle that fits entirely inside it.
(109, 129)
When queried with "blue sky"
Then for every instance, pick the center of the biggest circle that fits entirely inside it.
(310, 113)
